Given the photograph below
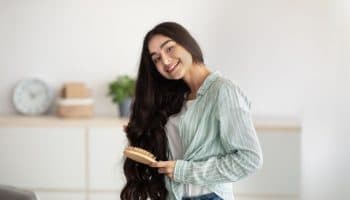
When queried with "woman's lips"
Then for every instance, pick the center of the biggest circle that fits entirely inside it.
(172, 68)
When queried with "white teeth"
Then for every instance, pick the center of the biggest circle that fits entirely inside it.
(172, 67)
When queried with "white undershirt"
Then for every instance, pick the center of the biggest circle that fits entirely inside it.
(177, 151)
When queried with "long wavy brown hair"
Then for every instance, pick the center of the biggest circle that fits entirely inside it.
(156, 98)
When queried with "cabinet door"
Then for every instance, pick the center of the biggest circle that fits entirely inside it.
(280, 174)
(106, 146)
(42, 157)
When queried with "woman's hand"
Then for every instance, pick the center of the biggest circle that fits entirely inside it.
(165, 167)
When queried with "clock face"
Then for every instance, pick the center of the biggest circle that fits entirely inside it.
(32, 97)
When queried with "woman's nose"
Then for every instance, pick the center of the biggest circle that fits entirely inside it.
(166, 60)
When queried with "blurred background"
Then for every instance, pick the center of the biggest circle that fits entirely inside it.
(290, 56)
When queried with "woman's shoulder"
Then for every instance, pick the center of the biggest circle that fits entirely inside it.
(226, 88)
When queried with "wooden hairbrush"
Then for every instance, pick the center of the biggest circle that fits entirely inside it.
(139, 155)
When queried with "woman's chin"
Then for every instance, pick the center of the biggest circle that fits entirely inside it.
(176, 76)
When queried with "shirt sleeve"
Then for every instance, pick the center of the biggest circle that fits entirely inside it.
(243, 154)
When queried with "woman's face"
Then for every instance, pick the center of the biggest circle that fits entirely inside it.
(171, 59)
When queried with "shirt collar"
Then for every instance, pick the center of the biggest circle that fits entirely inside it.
(209, 80)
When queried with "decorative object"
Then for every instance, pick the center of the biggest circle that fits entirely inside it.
(75, 101)
(32, 97)
(121, 91)
(9, 192)
(75, 90)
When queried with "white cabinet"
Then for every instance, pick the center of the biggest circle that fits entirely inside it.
(83, 159)
(106, 147)
(42, 157)
(62, 158)
(280, 177)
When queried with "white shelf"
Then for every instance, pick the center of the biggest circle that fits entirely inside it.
(262, 123)
(52, 121)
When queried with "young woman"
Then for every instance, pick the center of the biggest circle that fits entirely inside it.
(196, 122)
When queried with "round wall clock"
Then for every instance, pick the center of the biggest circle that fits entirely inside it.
(32, 97)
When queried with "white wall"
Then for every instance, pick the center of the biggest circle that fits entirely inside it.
(326, 139)
(264, 45)
(291, 57)
(92, 41)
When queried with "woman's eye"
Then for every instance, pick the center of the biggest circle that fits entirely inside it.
(155, 60)
(169, 49)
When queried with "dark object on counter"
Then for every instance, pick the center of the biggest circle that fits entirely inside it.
(13, 193)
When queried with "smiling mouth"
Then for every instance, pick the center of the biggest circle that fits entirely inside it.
(172, 68)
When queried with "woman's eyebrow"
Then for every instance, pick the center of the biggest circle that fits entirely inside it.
(162, 45)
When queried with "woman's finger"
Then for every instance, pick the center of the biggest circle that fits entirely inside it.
(170, 175)
(165, 170)
(163, 164)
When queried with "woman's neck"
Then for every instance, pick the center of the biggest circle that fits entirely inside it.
(195, 78)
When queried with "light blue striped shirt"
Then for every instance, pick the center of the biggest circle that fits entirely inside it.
(218, 136)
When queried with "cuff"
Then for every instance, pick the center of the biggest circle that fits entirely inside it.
(179, 171)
